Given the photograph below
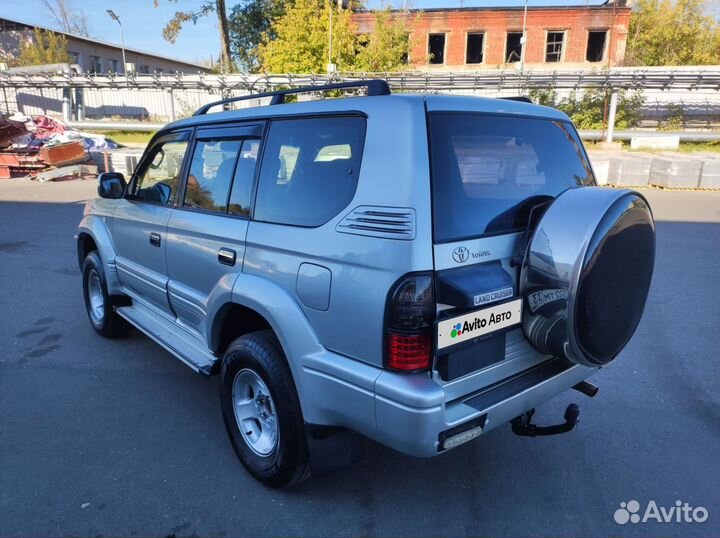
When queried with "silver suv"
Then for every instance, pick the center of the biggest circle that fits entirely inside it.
(416, 269)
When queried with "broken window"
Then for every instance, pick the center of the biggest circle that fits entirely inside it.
(95, 64)
(436, 48)
(596, 45)
(554, 47)
(513, 47)
(474, 50)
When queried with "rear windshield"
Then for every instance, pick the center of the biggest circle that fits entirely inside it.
(488, 172)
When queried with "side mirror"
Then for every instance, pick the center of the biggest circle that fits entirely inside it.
(111, 185)
(165, 191)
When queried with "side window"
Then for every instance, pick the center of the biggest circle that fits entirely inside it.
(158, 183)
(211, 173)
(309, 170)
(241, 194)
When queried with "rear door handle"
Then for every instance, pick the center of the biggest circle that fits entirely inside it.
(155, 239)
(226, 256)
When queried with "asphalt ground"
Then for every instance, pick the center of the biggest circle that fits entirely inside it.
(118, 438)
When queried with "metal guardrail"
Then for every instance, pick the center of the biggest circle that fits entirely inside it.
(147, 127)
(685, 136)
(684, 79)
(663, 78)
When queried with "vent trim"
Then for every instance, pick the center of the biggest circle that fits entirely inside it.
(379, 221)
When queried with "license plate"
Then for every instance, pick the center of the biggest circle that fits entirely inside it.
(487, 320)
(538, 299)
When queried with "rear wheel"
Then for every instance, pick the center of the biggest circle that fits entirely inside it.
(262, 411)
(99, 305)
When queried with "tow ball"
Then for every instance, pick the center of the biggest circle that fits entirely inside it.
(523, 425)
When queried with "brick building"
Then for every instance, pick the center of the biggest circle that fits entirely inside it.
(472, 38)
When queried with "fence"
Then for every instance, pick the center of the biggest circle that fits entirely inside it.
(690, 94)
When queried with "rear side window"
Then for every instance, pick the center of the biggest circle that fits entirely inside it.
(488, 172)
(309, 170)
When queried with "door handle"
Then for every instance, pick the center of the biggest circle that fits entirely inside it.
(226, 256)
(155, 239)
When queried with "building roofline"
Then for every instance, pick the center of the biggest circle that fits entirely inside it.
(106, 43)
(599, 7)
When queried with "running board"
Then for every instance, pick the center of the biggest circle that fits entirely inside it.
(184, 346)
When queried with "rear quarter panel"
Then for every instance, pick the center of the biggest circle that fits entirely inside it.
(394, 173)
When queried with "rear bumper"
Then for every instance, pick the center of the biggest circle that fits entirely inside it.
(409, 412)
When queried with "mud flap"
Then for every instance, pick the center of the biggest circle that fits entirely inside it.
(332, 449)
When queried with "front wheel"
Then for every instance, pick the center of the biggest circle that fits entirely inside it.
(262, 412)
(99, 305)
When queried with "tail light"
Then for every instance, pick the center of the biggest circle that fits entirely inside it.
(409, 318)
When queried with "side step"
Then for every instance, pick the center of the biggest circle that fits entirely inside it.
(169, 335)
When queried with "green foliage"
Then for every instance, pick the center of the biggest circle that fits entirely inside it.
(297, 41)
(386, 47)
(249, 20)
(543, 96)
(44, 48)
(172, 29)
(588, 110)
(675, 120)
(673, 32)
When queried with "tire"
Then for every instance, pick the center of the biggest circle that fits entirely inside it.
(98, 304)
(271, 444)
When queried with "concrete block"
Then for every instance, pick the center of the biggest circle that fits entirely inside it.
(710, 175)
(678, 172)
(601, 167)
(630, 171)
(609, 146)
(655, 142)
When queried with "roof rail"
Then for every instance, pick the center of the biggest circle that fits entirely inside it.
(520, 98)
(374, 87)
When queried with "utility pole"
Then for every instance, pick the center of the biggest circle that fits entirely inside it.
(114, 17)
(330, 65)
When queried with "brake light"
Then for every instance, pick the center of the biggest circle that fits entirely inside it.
(409, 318)
(409, 352)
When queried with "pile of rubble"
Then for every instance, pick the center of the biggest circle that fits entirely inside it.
(47, 150)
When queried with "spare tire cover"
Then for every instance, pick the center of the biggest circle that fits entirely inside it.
(586, 274)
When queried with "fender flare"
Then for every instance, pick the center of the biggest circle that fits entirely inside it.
(96, 227)
(287, 320)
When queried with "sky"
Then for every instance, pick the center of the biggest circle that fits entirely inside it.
(143, 23)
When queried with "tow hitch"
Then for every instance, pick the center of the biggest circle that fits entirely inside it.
(523, 425)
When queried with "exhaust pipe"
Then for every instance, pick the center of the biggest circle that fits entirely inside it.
(587, 388)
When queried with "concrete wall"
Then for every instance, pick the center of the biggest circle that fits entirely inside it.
(576, 22)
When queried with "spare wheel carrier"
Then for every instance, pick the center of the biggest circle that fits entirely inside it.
(586, 274)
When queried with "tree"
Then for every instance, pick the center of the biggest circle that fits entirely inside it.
(672, 32)
(386, 48)
(206, 7)
(44, 48)
(249, 20)
(66, 17)
(297, 41)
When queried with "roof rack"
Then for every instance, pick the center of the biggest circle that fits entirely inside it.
(520, 98)
(374, 87)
